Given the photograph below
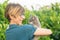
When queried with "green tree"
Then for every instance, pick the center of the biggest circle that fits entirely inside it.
(3, 20)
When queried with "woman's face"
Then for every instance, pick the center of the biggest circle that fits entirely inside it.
(19, 19)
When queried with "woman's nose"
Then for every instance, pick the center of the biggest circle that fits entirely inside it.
(23, 16)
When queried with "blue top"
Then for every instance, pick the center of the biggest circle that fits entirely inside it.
(15, 32)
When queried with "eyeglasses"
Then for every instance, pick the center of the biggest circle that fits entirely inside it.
(22, 15)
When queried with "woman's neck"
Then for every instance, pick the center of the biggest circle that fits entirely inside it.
(14, 22)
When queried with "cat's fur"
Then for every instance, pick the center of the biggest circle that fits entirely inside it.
(34, 21)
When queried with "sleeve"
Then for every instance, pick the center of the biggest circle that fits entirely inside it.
(30, 31)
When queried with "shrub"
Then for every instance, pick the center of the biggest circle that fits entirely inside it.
(3, 20)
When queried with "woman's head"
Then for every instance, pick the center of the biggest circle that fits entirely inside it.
(14, 12)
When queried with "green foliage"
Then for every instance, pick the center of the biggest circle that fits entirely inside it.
(27, 14)
(50, 18)
(3, 20)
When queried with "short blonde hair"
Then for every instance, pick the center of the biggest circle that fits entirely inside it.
(14, 10)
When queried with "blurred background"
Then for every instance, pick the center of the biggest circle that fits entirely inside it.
(35, 3)
(48, 12)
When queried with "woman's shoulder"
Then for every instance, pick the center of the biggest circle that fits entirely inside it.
(29, 26)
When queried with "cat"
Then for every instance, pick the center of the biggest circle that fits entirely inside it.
(34, 21)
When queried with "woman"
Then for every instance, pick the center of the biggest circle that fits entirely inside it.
(16, 31)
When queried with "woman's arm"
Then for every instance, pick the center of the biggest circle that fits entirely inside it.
(39, 31)
(42, 32)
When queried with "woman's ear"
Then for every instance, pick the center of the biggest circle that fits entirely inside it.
(12, 17)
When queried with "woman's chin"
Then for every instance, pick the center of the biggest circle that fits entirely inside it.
(20, 23)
